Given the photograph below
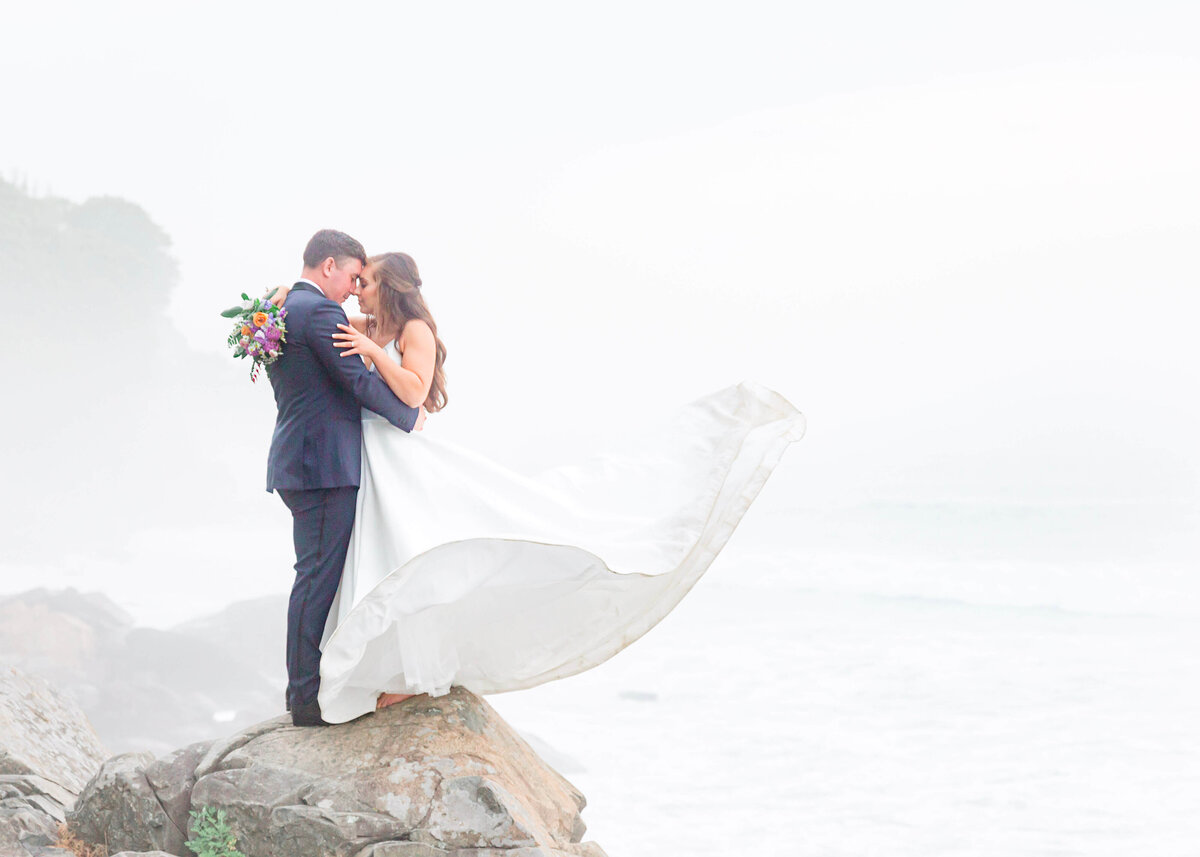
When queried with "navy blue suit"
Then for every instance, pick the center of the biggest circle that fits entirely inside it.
(315, 463)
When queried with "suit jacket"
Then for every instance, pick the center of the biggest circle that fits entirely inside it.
(319, 394)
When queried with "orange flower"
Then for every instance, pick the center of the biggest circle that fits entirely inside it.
(245, 330)
(259, 319)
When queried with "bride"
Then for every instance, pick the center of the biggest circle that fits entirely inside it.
(461, 572)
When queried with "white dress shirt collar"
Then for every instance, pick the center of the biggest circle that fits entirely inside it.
(314, 285)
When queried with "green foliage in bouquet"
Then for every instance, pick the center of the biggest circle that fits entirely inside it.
(248, 305)
(259, 331)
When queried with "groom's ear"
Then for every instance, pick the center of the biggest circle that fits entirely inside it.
(328, 265)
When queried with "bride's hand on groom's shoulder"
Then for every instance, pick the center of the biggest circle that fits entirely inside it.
(278, 294)
(353, 341)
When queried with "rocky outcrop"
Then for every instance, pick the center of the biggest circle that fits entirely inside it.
(48, 751)
(45, 734)
(145, 688)
(119, 809)
(427, 778)
(172, 778)
(136, 802)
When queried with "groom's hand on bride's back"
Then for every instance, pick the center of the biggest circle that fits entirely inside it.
(421, 415)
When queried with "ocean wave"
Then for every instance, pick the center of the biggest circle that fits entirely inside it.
(1151, 588)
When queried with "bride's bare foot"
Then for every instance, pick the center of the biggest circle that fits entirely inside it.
(386, 699)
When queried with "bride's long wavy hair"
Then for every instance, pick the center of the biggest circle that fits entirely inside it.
(398, 301)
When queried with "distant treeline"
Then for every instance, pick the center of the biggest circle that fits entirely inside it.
(112, 423)
(104, 258)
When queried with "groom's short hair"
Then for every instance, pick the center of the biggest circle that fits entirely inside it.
(330, 242)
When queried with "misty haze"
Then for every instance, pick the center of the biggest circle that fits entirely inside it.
(961, 615)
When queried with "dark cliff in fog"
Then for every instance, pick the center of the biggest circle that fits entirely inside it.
(111, 423)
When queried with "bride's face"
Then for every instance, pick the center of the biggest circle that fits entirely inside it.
(367, 290)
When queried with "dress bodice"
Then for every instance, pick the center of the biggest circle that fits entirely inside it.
(393, 353)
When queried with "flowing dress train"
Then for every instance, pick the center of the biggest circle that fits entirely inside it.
(461, 572)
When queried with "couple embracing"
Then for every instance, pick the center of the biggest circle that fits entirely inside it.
(315, 458)
(421, 565)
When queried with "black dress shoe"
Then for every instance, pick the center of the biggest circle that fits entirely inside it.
(307, 714)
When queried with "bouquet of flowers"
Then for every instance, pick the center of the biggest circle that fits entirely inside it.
(259, 332)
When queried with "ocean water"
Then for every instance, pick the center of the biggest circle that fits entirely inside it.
(885, 680)
(808, 704)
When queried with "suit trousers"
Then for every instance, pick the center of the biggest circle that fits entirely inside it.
(322, 521)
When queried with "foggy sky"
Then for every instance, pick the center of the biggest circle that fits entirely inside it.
(959, 240)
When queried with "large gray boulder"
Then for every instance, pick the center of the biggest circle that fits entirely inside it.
(44, 733)
(48, 751)
(171, 778)
(119, 808)
(139, 803)
(426, 778)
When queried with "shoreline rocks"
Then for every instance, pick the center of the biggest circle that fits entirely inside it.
(147, 688)
(48, 750)
(426, 778)
(430, 777)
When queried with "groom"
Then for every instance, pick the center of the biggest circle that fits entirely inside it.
(316, 450)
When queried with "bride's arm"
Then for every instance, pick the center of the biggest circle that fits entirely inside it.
(410, 379)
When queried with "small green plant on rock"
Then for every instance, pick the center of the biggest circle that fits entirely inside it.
(211, 835)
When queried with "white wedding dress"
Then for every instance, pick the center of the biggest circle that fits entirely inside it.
(461, 572)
